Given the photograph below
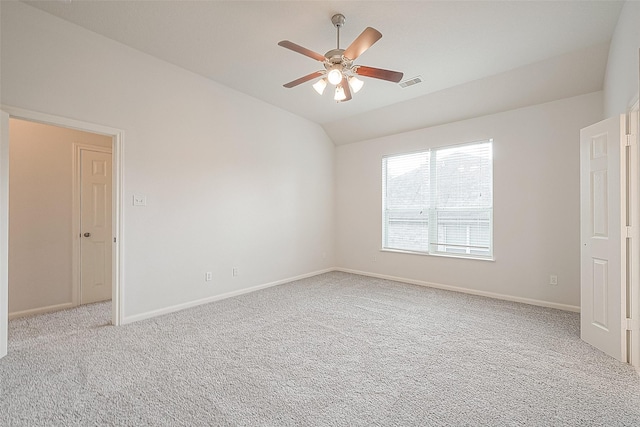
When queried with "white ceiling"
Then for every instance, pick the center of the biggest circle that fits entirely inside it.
(543, 49)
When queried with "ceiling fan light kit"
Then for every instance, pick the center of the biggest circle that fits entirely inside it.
(320, 85)
(339, 69)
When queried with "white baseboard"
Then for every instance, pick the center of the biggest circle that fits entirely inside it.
(40, 310)
(565, 307)
(178, 307)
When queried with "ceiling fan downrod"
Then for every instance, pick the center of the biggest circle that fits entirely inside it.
(338, 21)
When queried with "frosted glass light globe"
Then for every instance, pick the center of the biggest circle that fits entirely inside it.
(356, 84)
(334, 76)
(339, 95)
(320, 85)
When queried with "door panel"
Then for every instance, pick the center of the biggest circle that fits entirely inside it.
(599, 298)
(599, 202)
(603, 241)
(96, 238)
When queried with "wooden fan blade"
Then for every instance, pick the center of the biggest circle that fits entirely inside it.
(304, 79)
(363, 42)
(346, 88)
(303, 50)
(379, 73)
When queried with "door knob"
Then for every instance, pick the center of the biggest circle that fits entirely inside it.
(87, 234)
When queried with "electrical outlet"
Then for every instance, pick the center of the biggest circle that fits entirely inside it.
(374, 259)
(139, 200)
(208, 276)
(234, 272)
(553, 280)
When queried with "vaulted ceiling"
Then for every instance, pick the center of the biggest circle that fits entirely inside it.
(473, 57)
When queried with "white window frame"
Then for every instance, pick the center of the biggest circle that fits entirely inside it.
(433, 246)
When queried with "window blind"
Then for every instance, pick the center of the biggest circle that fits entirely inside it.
(440, 201)
(406, 199)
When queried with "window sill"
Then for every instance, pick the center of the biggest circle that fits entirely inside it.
(474, 258)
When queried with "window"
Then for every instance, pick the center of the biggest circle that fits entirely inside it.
(439, 201)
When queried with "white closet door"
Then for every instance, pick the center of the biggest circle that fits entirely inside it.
(96, 238)
(603, 237)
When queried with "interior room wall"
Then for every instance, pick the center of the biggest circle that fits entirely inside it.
(230, 181)
(40, 213)
(536, 203)
(621, 79)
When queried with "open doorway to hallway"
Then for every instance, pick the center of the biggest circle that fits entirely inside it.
(60, 218)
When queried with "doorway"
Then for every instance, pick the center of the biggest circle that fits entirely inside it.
(116, 138)
(59, 234)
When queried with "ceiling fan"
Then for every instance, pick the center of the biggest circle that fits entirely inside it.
(339, 69)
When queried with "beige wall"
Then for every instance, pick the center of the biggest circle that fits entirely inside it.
(40, 210)
(621, 80)
(536, 203)
(230, 181)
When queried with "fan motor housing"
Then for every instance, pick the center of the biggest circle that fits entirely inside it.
(334, 56)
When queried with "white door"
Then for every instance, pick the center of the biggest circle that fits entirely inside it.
(4, 231)
(603, 244)
(95, 226)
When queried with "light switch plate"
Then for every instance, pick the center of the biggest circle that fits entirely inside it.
(139, 200)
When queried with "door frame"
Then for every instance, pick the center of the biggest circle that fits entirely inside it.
(4, 231)
(76, 217)
(633, 282)
(117, 149)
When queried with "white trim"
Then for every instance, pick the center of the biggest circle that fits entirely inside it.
(438, 254)
(40, 310)
(565, 307)
(49, 119)
(76, 223)
(4, 232)
(190, 304)
(117, 193)
(117, 158)
(633, 305)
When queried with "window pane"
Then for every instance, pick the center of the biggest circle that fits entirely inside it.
(463, 176)
(407, 181)
(407, 230)
(463, 232)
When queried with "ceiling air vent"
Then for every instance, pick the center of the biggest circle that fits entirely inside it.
(411, 82)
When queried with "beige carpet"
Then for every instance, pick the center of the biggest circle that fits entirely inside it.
(335, 349)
